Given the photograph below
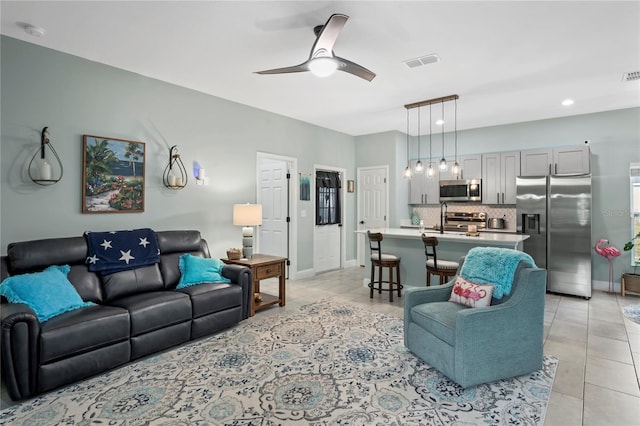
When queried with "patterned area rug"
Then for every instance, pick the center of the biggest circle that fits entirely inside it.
(632, 312)
(323, 364)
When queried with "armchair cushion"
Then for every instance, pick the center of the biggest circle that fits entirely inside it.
(438, 318)
(48, 293)
(471, 294)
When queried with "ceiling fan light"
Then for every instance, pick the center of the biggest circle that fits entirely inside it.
(323, 67)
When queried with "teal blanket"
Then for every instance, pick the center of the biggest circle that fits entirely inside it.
(492, 265)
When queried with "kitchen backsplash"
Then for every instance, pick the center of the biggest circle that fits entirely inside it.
(431, 215)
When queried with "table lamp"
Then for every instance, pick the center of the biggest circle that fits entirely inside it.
(247, 216)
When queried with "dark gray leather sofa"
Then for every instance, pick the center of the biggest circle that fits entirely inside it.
(137, 312)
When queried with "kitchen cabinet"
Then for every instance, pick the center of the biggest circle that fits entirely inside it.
(558, 161)
(470, 168)
(423, 189)
(499, 172)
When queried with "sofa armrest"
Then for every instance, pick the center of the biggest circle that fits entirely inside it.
(19, 343)
(241, 275)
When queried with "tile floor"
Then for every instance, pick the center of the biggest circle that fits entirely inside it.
(597, 382)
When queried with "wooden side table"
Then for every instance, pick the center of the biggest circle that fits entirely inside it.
(262, 267)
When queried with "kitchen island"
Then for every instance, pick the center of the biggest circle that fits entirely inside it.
(452, 245)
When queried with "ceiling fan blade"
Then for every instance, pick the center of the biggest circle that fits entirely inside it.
(328, 35)
(355, 69)
(296, 68)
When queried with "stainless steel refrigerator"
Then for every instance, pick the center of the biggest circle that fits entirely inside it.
(556, 212)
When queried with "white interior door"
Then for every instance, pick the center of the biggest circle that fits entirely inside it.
(273, 197)
(373, 205)
(328, 239)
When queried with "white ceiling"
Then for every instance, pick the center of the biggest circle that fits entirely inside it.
(508, 61)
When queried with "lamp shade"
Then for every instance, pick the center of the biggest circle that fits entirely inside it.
(247, 214)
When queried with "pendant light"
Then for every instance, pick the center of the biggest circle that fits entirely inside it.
(407, 170)
(456, 167)
(431, 172)
(419, 166)
(443, 161)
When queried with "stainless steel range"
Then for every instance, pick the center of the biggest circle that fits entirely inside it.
(460, 221)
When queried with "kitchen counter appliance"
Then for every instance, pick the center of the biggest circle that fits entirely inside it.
(461, 190)
(460, 221)
(555, 211)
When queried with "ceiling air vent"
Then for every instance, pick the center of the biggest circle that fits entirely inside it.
(423, 60)
(631, 76)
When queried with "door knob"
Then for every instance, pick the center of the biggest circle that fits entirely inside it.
(362, 222)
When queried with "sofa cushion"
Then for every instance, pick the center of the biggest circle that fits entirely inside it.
(438, 318)
(82, 331)
(133, 281)
(174, 244)
(154, 310)
(48, 293)
(198, 270)
(215, 297)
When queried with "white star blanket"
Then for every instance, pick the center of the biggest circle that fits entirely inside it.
(115, 251)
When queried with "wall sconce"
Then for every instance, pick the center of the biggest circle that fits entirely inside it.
(175, 174)
(247, 216)
(41, 171)
(200, 174)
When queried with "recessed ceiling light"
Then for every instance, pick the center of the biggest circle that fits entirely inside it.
(440, 122)
(567, 102)
(34, 30)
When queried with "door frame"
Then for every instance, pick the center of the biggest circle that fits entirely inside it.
(343, 239)
(293, 205)
(361, 248)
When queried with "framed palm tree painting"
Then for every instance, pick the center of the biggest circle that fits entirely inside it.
(113, 175)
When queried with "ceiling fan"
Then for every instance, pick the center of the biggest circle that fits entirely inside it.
(322, 61)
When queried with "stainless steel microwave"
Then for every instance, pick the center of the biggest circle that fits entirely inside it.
(461, 190)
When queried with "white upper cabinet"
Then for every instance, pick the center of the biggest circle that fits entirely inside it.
(535, 162)
(470, 168)
(499, 172)
(559, 161)
(571, 161)
(423, 189)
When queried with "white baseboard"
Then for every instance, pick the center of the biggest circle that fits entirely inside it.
(350, 263)
(308, 273)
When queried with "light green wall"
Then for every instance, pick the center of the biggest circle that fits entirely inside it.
(614, 140)
(73, 96)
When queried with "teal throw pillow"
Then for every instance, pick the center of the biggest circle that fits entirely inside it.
(48, 293)
(200, 270)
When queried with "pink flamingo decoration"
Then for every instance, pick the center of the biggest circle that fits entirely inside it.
(609, 252)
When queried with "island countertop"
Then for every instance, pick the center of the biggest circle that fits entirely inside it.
(452, 245)
(485, 238)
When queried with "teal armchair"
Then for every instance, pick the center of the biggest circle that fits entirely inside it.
(478, 345)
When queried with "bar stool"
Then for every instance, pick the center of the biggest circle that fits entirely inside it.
(381, 260)
(442, 268)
